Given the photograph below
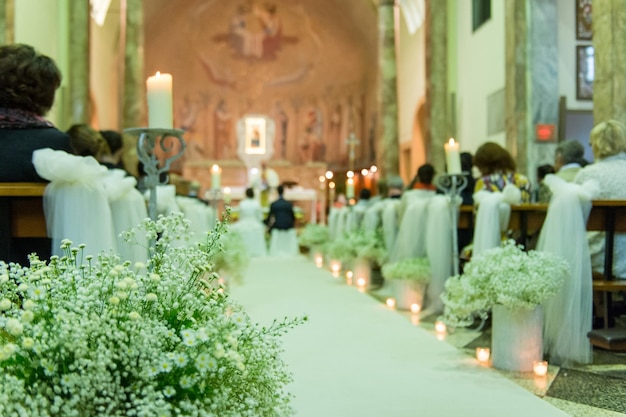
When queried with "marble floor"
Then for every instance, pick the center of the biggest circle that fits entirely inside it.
(356, 357)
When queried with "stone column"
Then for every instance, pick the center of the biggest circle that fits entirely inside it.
(437, 127)
(387, 152)
(78, 63)
(134, 83)
(531, 80)
(7, 25)
(609, 43)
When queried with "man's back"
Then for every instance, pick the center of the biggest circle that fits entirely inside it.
(281, 215)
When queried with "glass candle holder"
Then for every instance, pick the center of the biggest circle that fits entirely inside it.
(483, 354)
(540, 368)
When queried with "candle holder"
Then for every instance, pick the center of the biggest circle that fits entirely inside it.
(213, 196)
(149, 139)
(452, 185)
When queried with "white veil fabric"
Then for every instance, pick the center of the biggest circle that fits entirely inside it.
(411, 239)
(492, 218)
(372, 216)
(128, 210)
(568, 315)
(439, 250)
(75, 201)
(390, 217)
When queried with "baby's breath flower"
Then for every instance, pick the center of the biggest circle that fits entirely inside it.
(29, 304)
(14, 327)
(133, 315)
(28, 343)
(114, 300)
(151, 297)
(5, 304)
(27, 316)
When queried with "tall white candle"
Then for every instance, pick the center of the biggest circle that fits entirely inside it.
(160, 107)
(350, 188)
(453, 156)
(216, 177)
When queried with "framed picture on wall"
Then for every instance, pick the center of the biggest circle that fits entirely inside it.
(583, 20)
(584, 72)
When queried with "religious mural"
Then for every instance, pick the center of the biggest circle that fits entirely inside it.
(294, 62)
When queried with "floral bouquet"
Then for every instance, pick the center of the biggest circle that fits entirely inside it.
(313, 235)
(85, 336)
(414, 269)
(341, 249)
(504, 275)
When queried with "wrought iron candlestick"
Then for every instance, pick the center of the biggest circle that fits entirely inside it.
(452, 185)
(149, 139)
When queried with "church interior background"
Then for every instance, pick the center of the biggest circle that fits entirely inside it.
(319, 72)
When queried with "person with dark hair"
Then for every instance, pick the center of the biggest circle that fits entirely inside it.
(116, 146)
(497, 169)
(28, 82)
(423, 179)
(467, 162)
(281, 221)
(543, 191)
(281, 215)
(87, 141)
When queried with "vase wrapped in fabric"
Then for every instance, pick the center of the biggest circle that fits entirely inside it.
(516, 339)
(407, 281)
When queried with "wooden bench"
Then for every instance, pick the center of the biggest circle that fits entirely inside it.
(21, 214)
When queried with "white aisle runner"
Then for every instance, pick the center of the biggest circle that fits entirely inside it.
(354, 357)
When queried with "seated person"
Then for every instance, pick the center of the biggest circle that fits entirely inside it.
(423, 179)
(497, 169)
(250, 225)
(28, 82)
(86, 141)
(608, 143)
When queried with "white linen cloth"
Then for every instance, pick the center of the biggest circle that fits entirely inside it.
(128, 210)
(390, 220)
(568, 315)
(439, 231)
(200, 215)
(411, 239)
(372, 217)
(250, 227)
(75, 201)
(492, 218)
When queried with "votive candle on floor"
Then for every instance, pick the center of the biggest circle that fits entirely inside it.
(415, 308)
(540, 368)
(440, 327)
(482, 354)
(391, 302)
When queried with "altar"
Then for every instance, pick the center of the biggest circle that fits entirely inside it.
(225, 181)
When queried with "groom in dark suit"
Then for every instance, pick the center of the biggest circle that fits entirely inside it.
(281, 216)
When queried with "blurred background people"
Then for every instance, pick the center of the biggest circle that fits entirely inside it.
(28, 83)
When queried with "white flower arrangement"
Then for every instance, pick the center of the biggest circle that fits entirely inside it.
(414, 269)
(370, 246)
(85, 336)
(340, 249)
(505, 275)
(231, 257)
(313, 235)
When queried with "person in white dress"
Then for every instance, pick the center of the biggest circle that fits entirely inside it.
(250, 225)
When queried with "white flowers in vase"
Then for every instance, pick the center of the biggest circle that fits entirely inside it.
(413, 269)
(313, 235)
(85, 336)
(505, 275)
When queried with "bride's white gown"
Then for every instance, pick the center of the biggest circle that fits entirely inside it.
(250, 227)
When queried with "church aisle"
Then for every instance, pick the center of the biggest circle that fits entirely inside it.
(354, 357)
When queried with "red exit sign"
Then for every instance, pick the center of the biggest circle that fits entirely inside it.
(545, 132)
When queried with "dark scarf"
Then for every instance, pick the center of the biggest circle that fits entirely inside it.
(21, 119)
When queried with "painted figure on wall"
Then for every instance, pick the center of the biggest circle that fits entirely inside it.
(335, 135)
(310, 145)
(256, 31)
(223, 128)
(282, 122)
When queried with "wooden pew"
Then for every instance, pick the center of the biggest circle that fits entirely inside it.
(21, 214)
